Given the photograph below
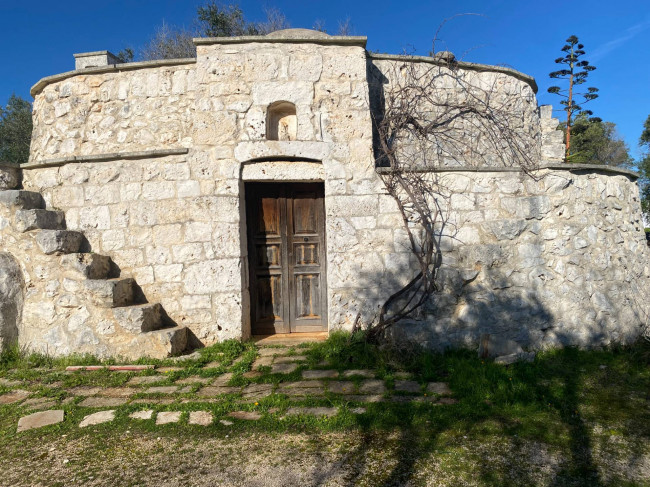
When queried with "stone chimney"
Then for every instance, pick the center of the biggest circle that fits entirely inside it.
(553, 148)
(94, 59)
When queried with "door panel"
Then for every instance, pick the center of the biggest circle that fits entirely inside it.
(286, 245)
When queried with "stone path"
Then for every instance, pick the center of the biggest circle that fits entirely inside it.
(167, 386)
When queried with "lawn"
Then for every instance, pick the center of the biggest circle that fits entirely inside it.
(568, 418)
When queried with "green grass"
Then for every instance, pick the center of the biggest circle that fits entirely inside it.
(571, 401)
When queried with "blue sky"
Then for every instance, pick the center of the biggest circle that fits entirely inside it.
(39, 37)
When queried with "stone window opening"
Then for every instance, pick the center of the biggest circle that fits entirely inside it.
(281, 121)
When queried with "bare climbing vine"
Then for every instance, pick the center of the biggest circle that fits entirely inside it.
(436, 114)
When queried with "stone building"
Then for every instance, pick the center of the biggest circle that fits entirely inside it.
(174, 203)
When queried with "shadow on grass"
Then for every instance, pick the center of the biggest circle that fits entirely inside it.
(540, 415)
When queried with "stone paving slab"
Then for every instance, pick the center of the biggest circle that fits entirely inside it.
(438, 388)
(368, 374)
(269, 352)
(372, 387)
(283, 368)
(195, 379)
(320, 374)
(245, 415)
(161, 390)
(289, 359)
(14, 396)
(9, 383)
(40, 419)
(252, 374)
(185, 390)
(102, 402)
(302, 392)
(257, 391)
(153, 401)
(303, 384)
(223, 379)
(201, 418)
(146, 379)
(98, 418)
(447, 401)
(167, 417)
(145, 414)
(322, 411)
(365, 398)
(85, 391)
(262, 362)
(40, 403)
(211, 391)
(408, 386)
(117, 392)
(341, 386)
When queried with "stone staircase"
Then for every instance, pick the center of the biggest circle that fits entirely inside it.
(93, 280)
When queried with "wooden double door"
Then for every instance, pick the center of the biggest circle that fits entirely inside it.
(286, 254)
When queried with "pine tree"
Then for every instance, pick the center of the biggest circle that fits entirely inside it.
(576, 72)
(15, 130)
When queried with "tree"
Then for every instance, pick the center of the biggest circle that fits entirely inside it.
(214, 19)
(227, 20)
(644, 170)
(15, 130)
(576, 72)
(597, 142)
(169, 43)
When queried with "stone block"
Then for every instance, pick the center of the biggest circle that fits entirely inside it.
(10, 177)
(59, 241)
(320, 374)
(25, 200)
(102, 402)
(146, 414)
(167, 417)
(283, 368)
(245, 415)
(39, 219)
(14, 396)
(97, 418)
(322, 411)
(139, 318)
(110, 293)
(40, 419)
(87, 266)
(372, 387)
(341, 387)
(407, 386)
(200, 418)
(439, 388)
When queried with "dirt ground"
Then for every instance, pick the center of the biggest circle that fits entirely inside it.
(301, 459)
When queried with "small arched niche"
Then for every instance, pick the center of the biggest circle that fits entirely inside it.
(281, 121)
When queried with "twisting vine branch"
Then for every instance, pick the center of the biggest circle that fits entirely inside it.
(434, 115)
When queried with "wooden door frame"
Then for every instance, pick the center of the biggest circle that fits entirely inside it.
(288, 286)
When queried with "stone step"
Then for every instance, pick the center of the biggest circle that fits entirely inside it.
(86, 266)
(25, 200)
(158, 344)
(59, 241)
(39, 219)
(110, 293)
(140, 317)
